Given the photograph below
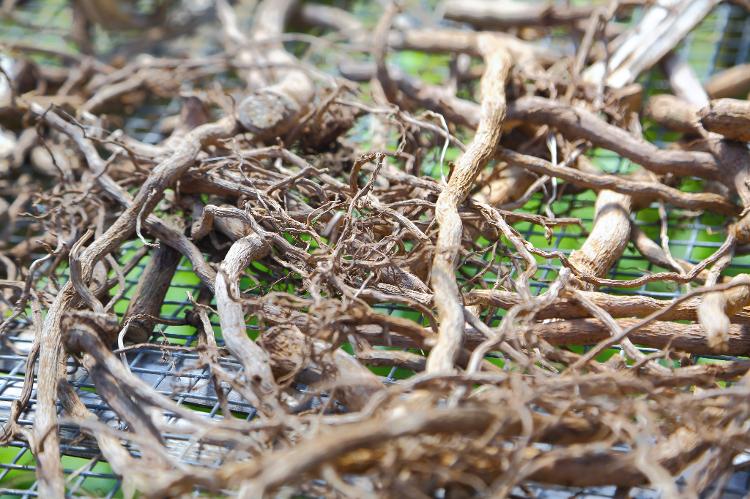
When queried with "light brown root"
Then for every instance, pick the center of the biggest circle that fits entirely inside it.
(149, 295)
(661, 334)
(673, 113)
(577, 123)
(716, 308)
(728, 117)
(498, 16)
(608, 238)
(655, 254)
(731, 82)
(468, 166)
(615, 305)
(282, 94)
(509, 185)
(684, 81)
(639, 190)
(255, 361)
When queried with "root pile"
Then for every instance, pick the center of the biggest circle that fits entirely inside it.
(294, 183)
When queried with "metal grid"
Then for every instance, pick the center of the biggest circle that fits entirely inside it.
(721, 41)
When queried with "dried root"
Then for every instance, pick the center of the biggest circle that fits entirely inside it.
(328, 257)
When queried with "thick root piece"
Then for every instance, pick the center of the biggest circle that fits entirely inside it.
(253, 358)
(673, 113)
(511, 183)
(715, 309)
(274, 111)
(279, 96)
(468, 166)
(149, 295)
(609, 236)
(728, 117)
(732, 82)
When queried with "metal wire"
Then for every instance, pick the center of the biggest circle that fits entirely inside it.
(721, 41)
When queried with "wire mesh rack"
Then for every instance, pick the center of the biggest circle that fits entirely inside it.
(722, 40)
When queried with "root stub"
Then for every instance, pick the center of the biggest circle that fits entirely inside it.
(267, 113)
(728, 117)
